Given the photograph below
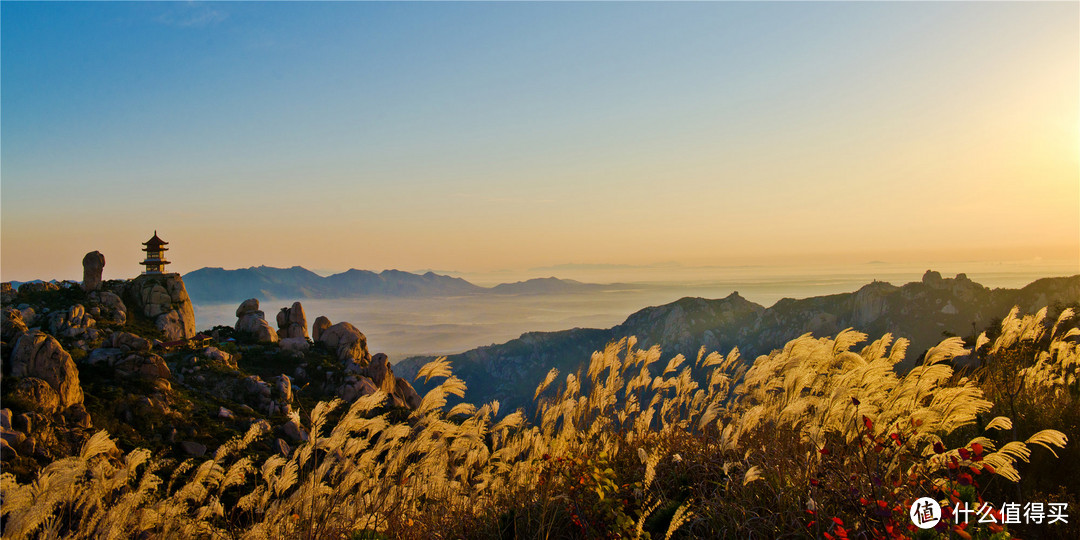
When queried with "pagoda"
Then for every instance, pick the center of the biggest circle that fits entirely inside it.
(155, 255)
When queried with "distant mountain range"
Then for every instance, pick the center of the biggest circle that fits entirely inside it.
(924, 312)
(267, 283)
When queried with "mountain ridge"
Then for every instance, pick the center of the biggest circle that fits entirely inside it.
(924, 312)
(215, 284)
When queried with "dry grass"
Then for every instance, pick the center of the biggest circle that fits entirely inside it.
(818, 438)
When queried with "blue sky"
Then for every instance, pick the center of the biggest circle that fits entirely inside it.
(480, 136)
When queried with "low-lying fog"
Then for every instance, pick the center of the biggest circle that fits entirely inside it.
(403, 327)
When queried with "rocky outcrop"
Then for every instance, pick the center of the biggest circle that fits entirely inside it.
(11, 325)
(320, 326)
(92, 265)
(38, 286)
(292, 323)
(36, 395)
(871, 302)
(107, 307)
(128, 342)
(406, 393)
(164, 300)
(355, 387)
(380, 373)
(39, 355)
(149, 366)
(272, 398)
(220, 356)
(348, 343)
(250, 320)
(73, 323)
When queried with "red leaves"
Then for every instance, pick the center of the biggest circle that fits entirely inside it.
(965, 454)
(868, 423)
(989, 468)
(939, 448)
(824, 451)
(838, 521)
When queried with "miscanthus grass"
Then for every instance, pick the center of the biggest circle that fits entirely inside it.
(820, 438)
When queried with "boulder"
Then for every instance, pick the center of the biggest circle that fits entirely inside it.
(150, 366)
(5, 418)
(252, 321)
(352, 390)
(378, 370)
(193, 449)
(220, 356)
(36, 395)
(282, 388)
(294, 344)
(320, 326)
(292, 323)
(12, 439)
(92, 265)
(292, 430)
(405, 391)
(6, 450)
(12, 325)
(251, 305)
(253, 385)
(225, 413)
(128, 342)
(29, 316)
(76, 416)
(104, 355)
(38, 354)
(348, 342)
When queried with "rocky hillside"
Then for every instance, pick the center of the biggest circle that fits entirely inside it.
(125, 356)
(924, 312)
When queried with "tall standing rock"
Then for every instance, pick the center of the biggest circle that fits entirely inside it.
(250, 320)
(39, 355)
(292, 323)
(92, 265)
(319, 326)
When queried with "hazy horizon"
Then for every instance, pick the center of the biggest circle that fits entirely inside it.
(493, 139)
(409, 326)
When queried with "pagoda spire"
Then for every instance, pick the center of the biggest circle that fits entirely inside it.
(155, 255)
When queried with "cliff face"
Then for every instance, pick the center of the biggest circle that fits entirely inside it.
(164, 300)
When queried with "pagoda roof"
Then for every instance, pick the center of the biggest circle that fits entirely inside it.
(155, 241)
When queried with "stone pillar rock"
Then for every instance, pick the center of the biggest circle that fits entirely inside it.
(92, 264)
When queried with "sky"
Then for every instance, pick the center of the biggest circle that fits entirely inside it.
(481, 137)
